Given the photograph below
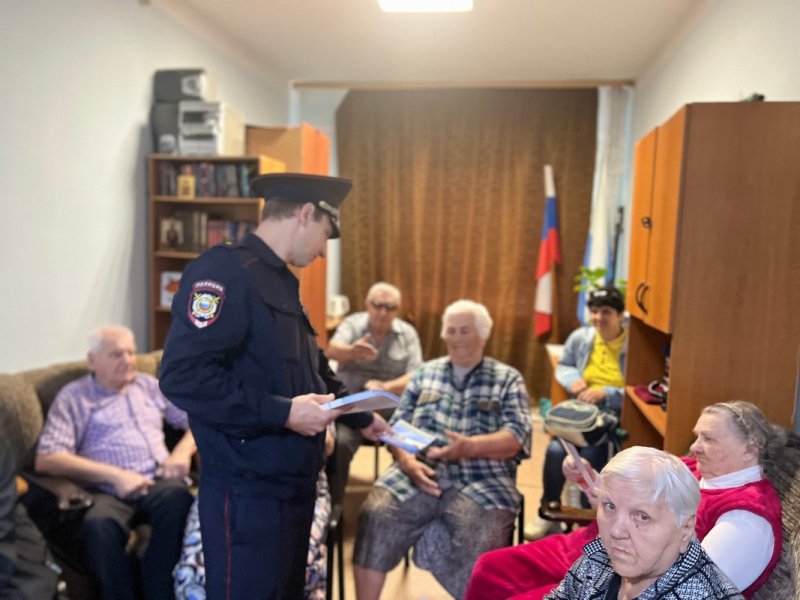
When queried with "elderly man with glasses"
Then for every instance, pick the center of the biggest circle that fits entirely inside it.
(375, 351)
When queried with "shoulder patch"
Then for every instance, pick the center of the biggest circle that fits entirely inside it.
(205, 302)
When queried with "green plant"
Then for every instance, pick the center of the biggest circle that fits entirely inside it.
(590, 279)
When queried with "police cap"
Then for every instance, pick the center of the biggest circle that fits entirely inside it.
(324, 191)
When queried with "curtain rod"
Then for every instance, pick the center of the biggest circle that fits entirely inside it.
(406, 85)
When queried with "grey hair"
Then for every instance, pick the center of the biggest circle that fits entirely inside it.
(382, 286)
(483, 321)
(751, 426)
(99, 335)
(660, 474)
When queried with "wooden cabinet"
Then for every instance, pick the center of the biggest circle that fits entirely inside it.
(216, 207)
(303, 149)
(717, 267)
(654, 221)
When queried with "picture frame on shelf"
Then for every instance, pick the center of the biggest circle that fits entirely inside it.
(171, 235)
(170, 281)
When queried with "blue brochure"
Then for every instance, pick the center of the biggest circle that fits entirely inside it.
(364, 401)
(407, 437)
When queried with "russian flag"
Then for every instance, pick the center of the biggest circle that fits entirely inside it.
(549, 256)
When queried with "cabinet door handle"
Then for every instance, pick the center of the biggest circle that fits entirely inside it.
(638, 295)
(644, 291)
(647, 223)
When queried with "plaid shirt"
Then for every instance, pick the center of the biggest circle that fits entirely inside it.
(492, 398)
(125, 429)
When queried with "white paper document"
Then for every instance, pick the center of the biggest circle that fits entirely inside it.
(573, 452)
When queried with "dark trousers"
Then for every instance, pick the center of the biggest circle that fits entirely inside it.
(553, 477)
(255, 547)
(347, 442)
(107, 526)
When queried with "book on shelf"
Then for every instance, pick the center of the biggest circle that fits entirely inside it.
(245, 172)
(364, 401)
(192, 230)
(230, 182)
(195, 225)
(170, 280)
(407, 437)
(206, 183)
(205, 179)
(167, 179)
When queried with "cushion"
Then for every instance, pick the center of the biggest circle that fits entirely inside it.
(20, 416)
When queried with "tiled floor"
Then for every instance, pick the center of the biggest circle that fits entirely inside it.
(413, 583)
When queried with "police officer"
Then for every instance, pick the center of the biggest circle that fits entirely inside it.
(241, 358)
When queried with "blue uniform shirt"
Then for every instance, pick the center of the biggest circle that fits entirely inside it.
(239, 348)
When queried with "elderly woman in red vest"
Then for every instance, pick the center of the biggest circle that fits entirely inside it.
(738, 520)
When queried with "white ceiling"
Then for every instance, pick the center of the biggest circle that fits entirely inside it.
(500, 41)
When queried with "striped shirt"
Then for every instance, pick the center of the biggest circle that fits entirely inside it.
(491, 398)
(124, 429)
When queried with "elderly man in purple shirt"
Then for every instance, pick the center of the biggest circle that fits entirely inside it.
(106, 431)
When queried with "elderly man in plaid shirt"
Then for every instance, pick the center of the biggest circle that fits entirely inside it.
(106, 431)
(459, 500)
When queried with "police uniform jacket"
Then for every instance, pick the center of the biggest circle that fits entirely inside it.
(240, 347)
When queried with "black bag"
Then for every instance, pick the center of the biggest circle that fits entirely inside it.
(581, 423)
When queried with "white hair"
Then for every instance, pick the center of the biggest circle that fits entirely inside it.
(660, 474)
(101, 334)
(382, 286)
(483, 321)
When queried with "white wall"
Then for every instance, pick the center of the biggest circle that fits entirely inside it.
(76, 83)
(726, 50)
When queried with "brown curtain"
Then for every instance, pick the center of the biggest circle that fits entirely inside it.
(448, 201)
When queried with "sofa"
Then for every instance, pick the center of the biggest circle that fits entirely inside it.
(53, 503)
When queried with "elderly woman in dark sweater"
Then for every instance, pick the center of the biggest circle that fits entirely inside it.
(647, 547)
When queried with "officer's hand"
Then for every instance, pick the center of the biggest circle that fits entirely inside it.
(375, 429)
(307, 417)
(363, 350)
(129, 485)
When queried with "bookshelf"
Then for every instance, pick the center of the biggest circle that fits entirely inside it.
(209, 205)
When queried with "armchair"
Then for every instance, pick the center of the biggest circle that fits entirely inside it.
(55, 504)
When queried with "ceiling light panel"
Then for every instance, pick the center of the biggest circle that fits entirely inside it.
(418, 6)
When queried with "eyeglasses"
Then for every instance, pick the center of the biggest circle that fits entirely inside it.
(383, 306)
